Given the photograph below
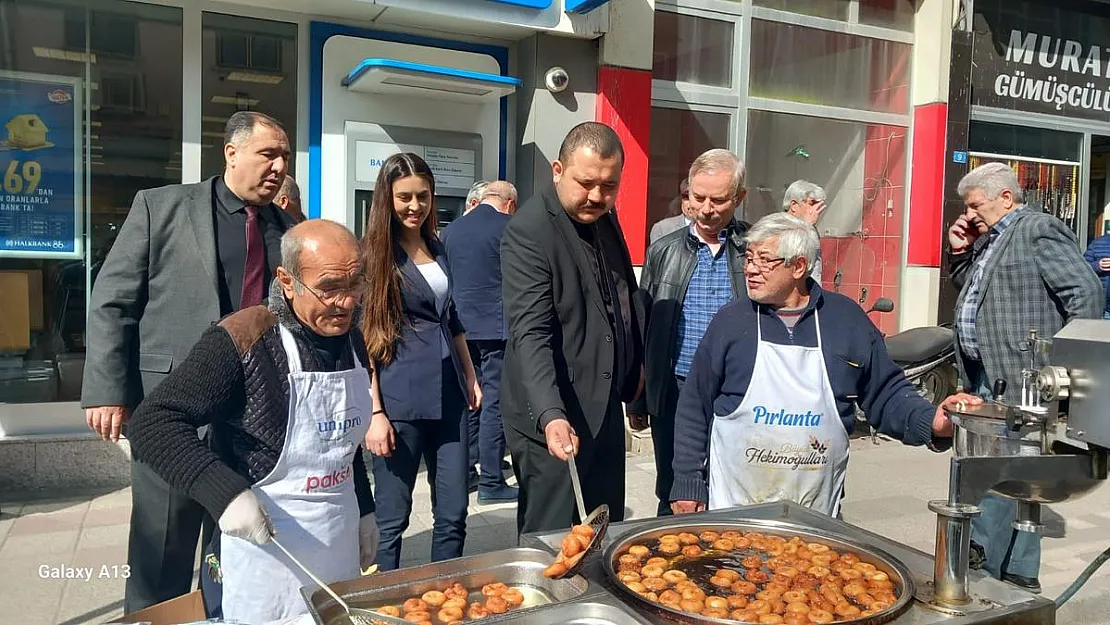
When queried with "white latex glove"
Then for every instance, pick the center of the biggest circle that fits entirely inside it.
(244, 518)
(368, 537)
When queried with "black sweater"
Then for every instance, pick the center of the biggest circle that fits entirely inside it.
(235, 381)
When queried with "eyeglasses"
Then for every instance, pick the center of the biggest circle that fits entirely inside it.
(332, 296)
(761, 263)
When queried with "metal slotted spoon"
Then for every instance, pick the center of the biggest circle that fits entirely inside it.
(598, 519)
(358, 616)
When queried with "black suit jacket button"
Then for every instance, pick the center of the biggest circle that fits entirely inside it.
(608, 338)
(606, 375)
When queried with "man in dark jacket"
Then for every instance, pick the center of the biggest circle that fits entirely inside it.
(1098, 257)
(766, 411)
(286, 392)
(574, 351)
(688, 276)
(473, 244)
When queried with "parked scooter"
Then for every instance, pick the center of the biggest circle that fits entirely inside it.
(926, 354)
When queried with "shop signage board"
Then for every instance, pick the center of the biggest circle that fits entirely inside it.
(453, 167)
(1042, 57)
(41, 199)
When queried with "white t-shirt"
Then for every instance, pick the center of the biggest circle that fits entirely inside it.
(437, 280)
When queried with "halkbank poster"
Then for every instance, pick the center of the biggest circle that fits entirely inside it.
(41, 203)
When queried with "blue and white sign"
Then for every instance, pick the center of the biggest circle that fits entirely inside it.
(959, 157)
(41, 204)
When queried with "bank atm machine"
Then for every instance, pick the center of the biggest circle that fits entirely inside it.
(454, 157)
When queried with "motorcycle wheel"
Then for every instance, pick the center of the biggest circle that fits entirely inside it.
(937, 383)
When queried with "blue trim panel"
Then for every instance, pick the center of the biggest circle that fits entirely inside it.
(583, 6)
(423, 68)
(319, 33)
(531, 4)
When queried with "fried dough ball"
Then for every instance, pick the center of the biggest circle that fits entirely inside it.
(754, 536)
(628, 558)
(744, 616)
(434, 598)
(795, 596)
(760, 606)
(685, 585)
(885, 597)
(674, 576)
(693, 593)
(745, 588)
(655, 584)
(752, 562)
(866, 568)
(803, 553)
(640, 551)
(724, 544)
(652, 571)
(477, 611)
(819, 572)
(670, 598)
(878, 576)
(729, 574)
(712, 613)
(716, 603)
(634, 567)
(731, 534)
(415, 605)
(454, 603)
(692, 551)
(757, 576)
(804, 580)
(418, 616)
(768, 595)
(450, 614)
(513, 597)
(850, 574)
(864, 599)
(650, 596)
(584, 530)
(879, 606)
(760, 544)
(709, 536)
(457, 591)
(790, 549)
(389, 610)
(854, 588)
(571, 545)
(628, 576)
(817, 548)
(497, 605)
(657, 561)
(686, 538)
(691, 605)
(635, 587)
(821, 560)
(740, 542)
(771, 618)
(846, 610)
(797, 607)
(720, 582)
(849, 558)
(795, 619)
(670, 548)
(820, 616)
(496, 589)
(735, 602)
(669, 538)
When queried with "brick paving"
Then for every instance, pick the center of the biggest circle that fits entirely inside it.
(888, 485)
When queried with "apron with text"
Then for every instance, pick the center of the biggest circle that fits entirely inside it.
(310, 497)
(785, 442)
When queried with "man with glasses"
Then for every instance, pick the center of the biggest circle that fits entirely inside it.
(286, 390)
(688, 276)
(767, 407)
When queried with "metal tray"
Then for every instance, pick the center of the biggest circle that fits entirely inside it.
(588, 612)
(520, 568)
(899, 574)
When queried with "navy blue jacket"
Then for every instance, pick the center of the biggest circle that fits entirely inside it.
(859, 369)
(412, 385)
(473, 244)
(1100, 248)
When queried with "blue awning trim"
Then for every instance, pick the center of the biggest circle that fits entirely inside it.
(531, 4)
(435, 70)
(583, 6)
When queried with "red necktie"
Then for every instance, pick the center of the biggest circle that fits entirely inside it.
(254, 270)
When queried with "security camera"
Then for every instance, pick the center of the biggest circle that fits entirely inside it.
(556, 79)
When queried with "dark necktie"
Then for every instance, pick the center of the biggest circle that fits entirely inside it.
(254, 270)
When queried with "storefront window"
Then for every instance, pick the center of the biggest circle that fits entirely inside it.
(249, 65)
(833, 9)
(693, 49)
(863, 170)
(68, 182)
(889, 13)
(815, 66)
(678, 136)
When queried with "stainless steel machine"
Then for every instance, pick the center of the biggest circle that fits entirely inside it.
(1046, 443)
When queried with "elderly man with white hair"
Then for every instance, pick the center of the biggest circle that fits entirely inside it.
(767, 407)
(806, 200)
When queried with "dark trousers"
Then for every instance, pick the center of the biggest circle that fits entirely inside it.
(546, 500)
(662, 439)
(162, 546)
(487, 435)
(442, 443)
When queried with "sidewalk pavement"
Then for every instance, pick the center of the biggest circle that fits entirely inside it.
(887, 490)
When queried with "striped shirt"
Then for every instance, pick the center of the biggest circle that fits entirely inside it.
(969, 307)
(710, 288)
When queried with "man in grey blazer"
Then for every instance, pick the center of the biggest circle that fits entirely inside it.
(186, 256)
(1016, 268)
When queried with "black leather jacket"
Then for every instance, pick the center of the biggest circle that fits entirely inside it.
(663, 281)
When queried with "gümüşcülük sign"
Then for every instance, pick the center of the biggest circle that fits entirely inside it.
(1037, 65)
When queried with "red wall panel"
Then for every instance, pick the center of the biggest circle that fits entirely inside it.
(624, 103)
(930, 126)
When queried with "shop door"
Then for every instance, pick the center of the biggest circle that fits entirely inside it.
(1098, 211)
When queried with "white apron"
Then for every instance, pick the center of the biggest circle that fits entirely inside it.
(785, 441)
(310, 497)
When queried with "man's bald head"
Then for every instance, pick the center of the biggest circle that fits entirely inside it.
(501, 194)
(320, 238)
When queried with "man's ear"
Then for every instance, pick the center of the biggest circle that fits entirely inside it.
(740, 195)
(288, 284)
(801, 268)
(556, 170)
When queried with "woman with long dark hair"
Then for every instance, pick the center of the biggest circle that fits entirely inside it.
(423, 368)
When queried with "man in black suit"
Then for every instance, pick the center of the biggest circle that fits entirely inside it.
(186, 256)
(473, 244)
(575, 346)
